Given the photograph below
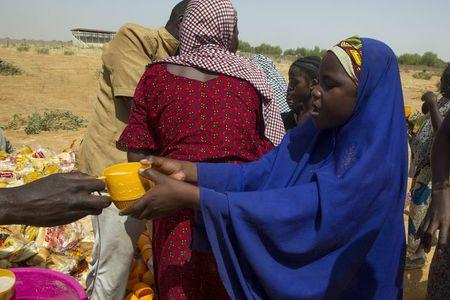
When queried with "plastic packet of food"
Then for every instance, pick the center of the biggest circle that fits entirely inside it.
(29, 233)
(40, 259)
(27, 251)
(61, 239)
(9, 245)
(61, 263)
(24, 150)
(5, 264)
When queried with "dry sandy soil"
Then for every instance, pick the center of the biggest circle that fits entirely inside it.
(57, 81)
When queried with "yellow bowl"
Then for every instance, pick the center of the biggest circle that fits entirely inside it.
(407, 111)
(124, 183)
(7, 291)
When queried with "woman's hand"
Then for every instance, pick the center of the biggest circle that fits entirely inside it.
(176, 169)
(165, 198)
(438, 217)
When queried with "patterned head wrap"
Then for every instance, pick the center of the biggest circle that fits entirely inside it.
(349, 53)
(206, 36)
(275, 79)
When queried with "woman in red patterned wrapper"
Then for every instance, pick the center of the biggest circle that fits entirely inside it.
(205, 105)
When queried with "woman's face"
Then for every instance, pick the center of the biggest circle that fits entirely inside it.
(235, 40)
(299, 91)
(334, 97)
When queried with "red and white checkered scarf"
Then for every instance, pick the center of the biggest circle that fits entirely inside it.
(206, 34)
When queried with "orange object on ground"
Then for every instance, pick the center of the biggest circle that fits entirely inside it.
(143, 242)
(147, 297)
(148, 278)
(131, 296)
(140, 267)
(132, 280)
(141, 289)
(146, 253)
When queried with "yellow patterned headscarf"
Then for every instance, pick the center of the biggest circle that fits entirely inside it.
(349, 53)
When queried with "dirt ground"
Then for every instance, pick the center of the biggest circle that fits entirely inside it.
(69, 82)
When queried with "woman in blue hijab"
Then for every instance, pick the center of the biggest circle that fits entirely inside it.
(322, 220)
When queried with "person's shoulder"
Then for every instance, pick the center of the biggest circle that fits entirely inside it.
(132, 35)
(154, 71)
(135, 30)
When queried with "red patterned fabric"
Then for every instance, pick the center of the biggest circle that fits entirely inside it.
(206, 35)
(216, 121)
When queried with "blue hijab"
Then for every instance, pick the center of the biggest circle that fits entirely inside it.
(322, 220)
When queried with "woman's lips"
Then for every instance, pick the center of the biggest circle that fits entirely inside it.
(315, 110)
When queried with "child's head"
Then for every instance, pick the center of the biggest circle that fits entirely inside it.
(302, 73)
(445, 83)
(334, 97)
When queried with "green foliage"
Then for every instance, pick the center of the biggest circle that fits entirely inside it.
(9, 69)
(268, 49)
(43, 51)
(51, 120)
(245, 47)
(69, 52)
(23, 48)
(429, 59)
(303, 52)
(423, 75)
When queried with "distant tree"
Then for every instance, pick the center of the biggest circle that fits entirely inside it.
(245, 47)
(429, 59)
(409, 59)
(268, 49)
(289, 52)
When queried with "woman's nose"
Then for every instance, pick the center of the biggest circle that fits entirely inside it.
(315, 92)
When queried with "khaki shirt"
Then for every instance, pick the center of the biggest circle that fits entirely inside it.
(124, 61)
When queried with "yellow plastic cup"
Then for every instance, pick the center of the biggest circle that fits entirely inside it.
(7, 282)
(124, 184)
(407, 111)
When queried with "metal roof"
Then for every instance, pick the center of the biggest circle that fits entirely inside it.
(93, 30)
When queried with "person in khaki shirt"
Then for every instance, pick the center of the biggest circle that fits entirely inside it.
(124, 61)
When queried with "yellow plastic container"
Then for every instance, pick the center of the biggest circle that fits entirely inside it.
(141, 289)
(148, 278)
(407, 111)
(7, 282)
(124, 184)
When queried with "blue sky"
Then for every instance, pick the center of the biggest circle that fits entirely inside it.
(407, 26)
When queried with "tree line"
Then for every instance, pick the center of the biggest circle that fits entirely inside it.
(429, 58)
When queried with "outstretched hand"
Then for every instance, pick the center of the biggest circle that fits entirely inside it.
(438, 217)
(166, 197)
(55, 200)
(176, 169)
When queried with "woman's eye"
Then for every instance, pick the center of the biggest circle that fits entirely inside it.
(329, 84)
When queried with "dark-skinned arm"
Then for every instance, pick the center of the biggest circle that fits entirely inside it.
(55, 200)
(438, 215)
(436, 118)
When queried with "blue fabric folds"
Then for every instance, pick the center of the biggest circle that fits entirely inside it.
(323, 219)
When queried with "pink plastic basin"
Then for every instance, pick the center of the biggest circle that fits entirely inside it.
(42, 284)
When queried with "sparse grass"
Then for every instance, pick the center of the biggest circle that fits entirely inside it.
(50, 120)
(23, 48)
(43, 51)
(9, 69)
(423, 75)
(69, 52)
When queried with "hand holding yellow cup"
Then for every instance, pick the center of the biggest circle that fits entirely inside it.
(124, 183)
